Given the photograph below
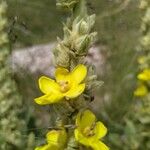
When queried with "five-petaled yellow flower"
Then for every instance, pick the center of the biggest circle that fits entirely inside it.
(56, 140)
(145, 75)
(141, 90)
(89, 132)
(67, 85)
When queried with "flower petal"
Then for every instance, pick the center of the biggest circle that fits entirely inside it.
(99, 146)
(52, 137)
(61, 74)
(57, 137)
(78, 74)
(44, 147)
(100, 130)
(75, 91)
(48, 85)
(49, 99)
(145, 75)
(85, 119)
(141, 90)
(80, 138)
(47, 147)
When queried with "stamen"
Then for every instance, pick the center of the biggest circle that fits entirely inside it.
(64, 86)
(88, 131)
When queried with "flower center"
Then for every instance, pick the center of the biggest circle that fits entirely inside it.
(88, 131)
(64, 86)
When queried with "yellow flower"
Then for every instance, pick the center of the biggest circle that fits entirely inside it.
(89, 132)
(56, 140)
(145, 75)
(67, 85)
(141, 90)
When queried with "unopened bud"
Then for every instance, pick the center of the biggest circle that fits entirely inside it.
(83, 28)
(61, 54)
(82, 44)
(66, 4)
(91, 21)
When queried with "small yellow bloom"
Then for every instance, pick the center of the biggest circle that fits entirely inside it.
(67, 85)
(89, 132)
(145, 75)
(56, 140)
(141, 90)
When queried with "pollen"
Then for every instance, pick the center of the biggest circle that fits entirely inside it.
(64, 86)
(88, 132)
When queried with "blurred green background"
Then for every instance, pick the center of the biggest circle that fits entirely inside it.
(33, 22)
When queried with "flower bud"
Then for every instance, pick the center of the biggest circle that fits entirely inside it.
(82, 44)
(83, 28)
(67, 32)
(76, 25)
(66, 4)
(61, 53)
(91, 21)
